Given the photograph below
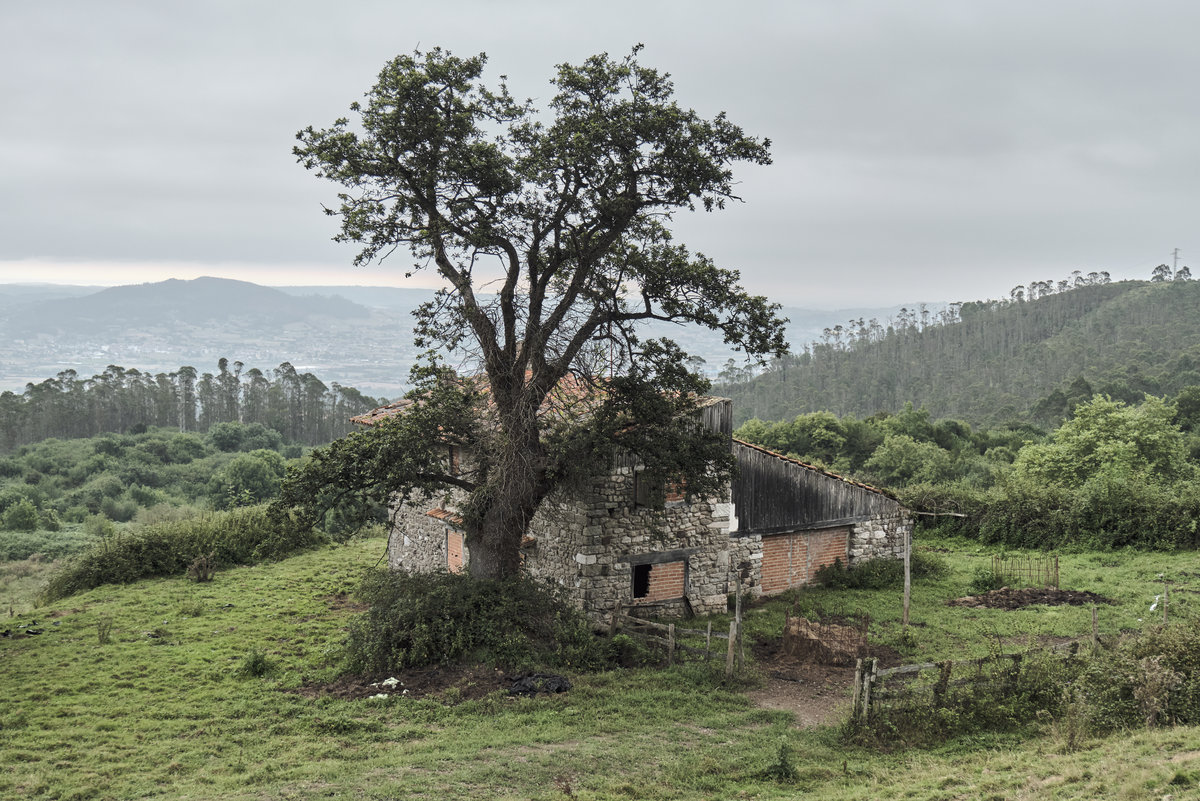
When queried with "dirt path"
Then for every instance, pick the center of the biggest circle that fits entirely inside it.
(818, 695)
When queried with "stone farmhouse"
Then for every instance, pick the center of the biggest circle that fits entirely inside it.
(626, 539)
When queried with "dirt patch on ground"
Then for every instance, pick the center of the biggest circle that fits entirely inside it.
(1016, 598)
(818, 695)
(451, 683)
(341, 600)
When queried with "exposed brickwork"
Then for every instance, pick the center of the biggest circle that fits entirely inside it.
(454, 551)
(792, 559)
(666, 582)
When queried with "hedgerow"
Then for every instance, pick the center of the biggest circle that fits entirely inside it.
(240, 536)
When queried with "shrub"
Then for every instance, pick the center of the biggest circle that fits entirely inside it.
(1152, 679)
(118, 510)
(249, 478)
(21, 516)
(255, 665)
(445, 618)
(203, 569)
(51, 545)
(984, 580)
(170, 547)
(878, 574)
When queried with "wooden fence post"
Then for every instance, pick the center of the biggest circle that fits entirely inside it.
(907, 574)
(729, 653)
(614, 624)
(708, 638)
(670, 644)
(870, 674)
(855, 712)
(1095, 629)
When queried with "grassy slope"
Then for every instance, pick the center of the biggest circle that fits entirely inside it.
(171, 717)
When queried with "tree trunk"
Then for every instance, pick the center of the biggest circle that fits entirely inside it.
(517, 488)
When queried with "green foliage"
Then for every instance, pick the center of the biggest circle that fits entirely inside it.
(254, 411)
(584, 262)
(248, 479)
(21, 516)
(1147, 680)
(235, 436)
(1033, 360)
(48, 544)
(782, 767)
(170, 548)
(984, 580)
(879, 574)
(445, 618)
(900, 460)
(255, 665)
(1107, 437)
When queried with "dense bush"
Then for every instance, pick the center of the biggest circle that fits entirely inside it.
(50, 544)
(121, 475)
(444, 618)
(878, 574)
(1108, 511)
(170, 547)
(21, 516)
(1149, 680)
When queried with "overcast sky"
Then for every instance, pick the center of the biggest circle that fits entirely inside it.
(923, 150)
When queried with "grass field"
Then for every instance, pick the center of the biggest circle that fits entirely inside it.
(166, 706)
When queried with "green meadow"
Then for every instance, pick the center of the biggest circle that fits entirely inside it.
(175, 689)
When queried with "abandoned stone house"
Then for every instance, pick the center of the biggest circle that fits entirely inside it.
(626, 540)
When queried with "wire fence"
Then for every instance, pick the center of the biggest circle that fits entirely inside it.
(1026, 571)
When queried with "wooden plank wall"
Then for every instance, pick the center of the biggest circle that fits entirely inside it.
(774, 494)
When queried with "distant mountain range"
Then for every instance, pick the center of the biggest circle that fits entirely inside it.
(358, 336)
(169, 304)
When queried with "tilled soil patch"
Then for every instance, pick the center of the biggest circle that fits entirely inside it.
(1016, 598)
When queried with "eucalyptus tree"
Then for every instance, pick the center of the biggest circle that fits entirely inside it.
(552, 235)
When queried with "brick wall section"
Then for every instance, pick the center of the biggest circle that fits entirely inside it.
(454, 551)
(666, 583)
(792, 559)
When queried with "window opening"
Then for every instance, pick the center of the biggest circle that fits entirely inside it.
(641, 580)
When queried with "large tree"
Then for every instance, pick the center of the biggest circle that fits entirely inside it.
(551, 232)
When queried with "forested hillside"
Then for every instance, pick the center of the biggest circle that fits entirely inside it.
(297, 405)
(995, 362)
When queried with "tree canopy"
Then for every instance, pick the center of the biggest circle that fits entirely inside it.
(552, 234)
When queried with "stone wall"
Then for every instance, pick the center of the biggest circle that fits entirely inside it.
(590, 541)
(880, 537)
(417, 541)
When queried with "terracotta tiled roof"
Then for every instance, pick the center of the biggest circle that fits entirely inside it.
(571, 397)
(446, 516)
(383, 412)
(814, 468)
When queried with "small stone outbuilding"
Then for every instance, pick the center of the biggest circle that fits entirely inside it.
(628, 540)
